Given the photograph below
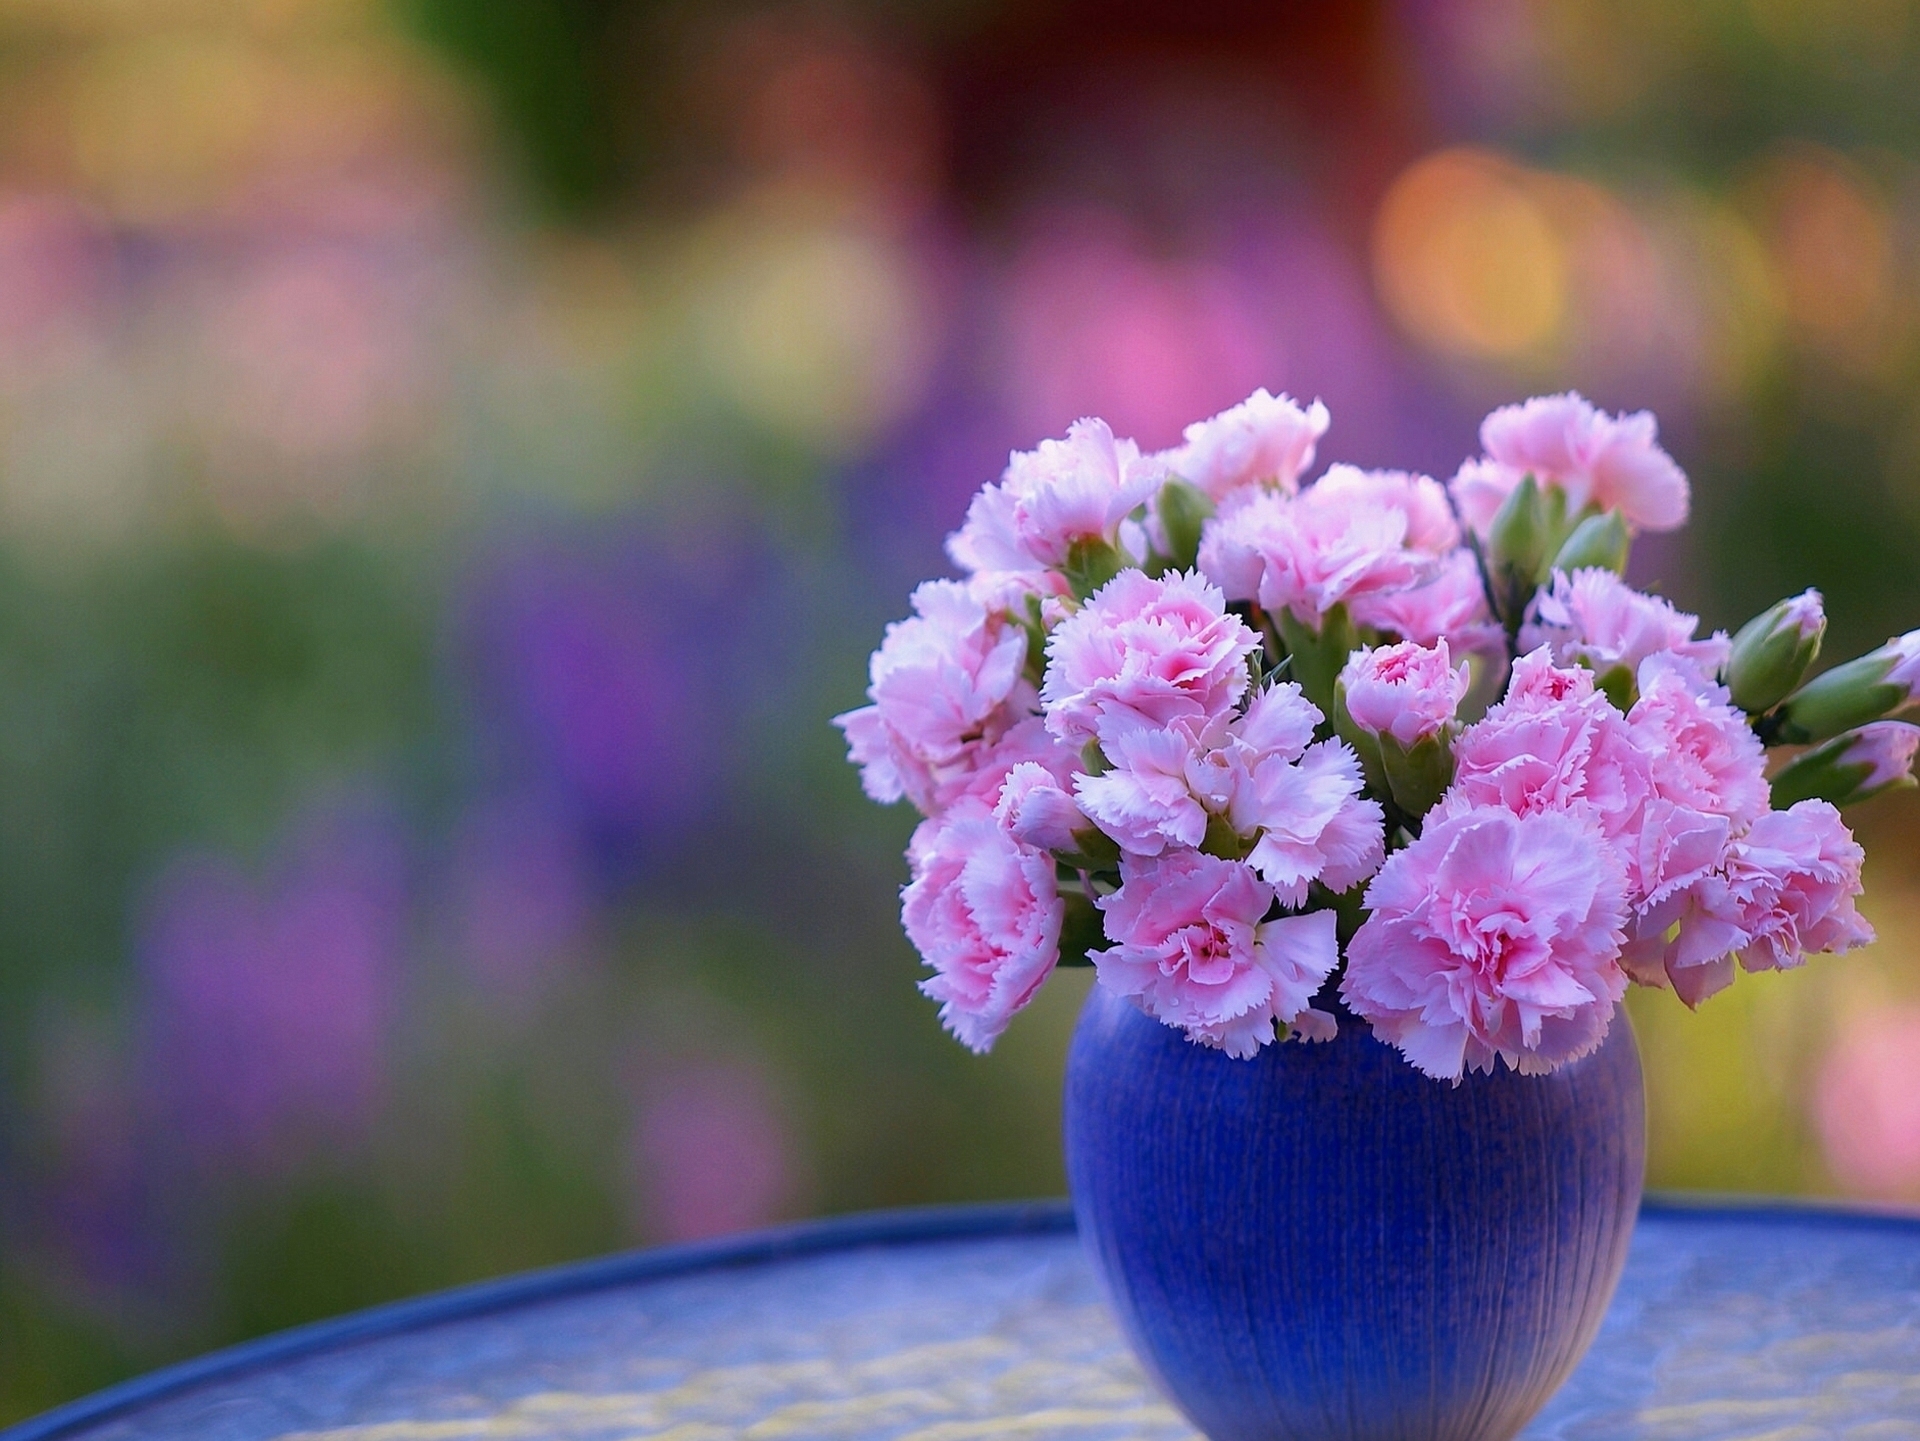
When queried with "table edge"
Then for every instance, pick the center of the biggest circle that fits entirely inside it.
(914, 1225)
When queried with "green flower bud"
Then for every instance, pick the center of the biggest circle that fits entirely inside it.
(1851, 768)
(1419, 776)
(1600, 542)
(1772, 652)
(1874, 686)
(1091, 563)
(1184, 509)
(1319, 655)
(1517, 537)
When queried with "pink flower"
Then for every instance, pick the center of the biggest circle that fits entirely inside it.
(1077, 489)
(1421, 499)
(1782, 891)
(1312, 821)
(1036, 810)
(1794, 877)
(1867, 1104)
(984, 912)
(1146, 802)
(1405, 691)
(1555, 743)
(1612, 461)
(1886, 749)
(1452, 606)
(1028, 742)
(1145, 651)
(1265, 439)
(1702, 753)
(1593, 618)
(1192, 947)
(1493, 934)
(946, 684)
(1309, 553)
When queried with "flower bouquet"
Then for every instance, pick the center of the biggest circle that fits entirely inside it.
(1284, 761)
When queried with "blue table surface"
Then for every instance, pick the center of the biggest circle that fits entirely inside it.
(1766, 1323)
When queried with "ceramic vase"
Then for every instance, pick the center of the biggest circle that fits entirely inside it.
(1323, 1244)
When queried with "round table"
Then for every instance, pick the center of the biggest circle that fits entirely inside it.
(1779, 1322)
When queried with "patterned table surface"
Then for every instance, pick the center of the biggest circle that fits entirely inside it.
(1767, 1324)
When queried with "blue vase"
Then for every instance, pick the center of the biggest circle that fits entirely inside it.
(1322, 1243)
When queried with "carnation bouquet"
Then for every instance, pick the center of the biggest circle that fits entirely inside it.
(1247, 744)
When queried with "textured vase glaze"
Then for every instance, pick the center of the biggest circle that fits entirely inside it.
(1323, 1244)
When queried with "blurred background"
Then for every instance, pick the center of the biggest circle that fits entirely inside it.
(456, 454)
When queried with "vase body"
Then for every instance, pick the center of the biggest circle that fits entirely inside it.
(1323, 1244)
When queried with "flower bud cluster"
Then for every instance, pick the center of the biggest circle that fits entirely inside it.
(1229, 736)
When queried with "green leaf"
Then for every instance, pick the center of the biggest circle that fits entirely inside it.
(1080, 931)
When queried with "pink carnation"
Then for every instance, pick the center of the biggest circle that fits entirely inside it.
(946, 685)
(1703, 753)
(1613, 461)
(1405, 691)
(1312, 821)
(1452, 606)
(1036, 809)
(1784, 890)
(1553, 744)
(1422, 500)
(1069, 490)
(1311, 552)
(1595, 619)
(1192, 946)
(1296, 806)
(1493, 934)
(1794, 878)
(1027, 742)
(1145, 651)
(1146, 802)
(1265, 439)
(984, 912)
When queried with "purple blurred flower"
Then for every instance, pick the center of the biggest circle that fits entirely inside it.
(616, 674)
(520, 893)
(710, 1153)
(268, 1007)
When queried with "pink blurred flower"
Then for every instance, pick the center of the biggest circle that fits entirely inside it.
(1146, 651)
(1405, 691)
(1613, 461)
(1093, 324)
(1702, 753)
(1595, 619)
(1265, 439)
(1866, 1104)
(1451, 606)
(985, 913)
(1077, 489)
(1310, 552)
(1192, 947)
(1494, 934)
(1794, 878)
(945, 683)
(1553, 744)
(710, 1153)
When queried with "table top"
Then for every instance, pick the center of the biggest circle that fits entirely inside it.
(1771, 1321)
